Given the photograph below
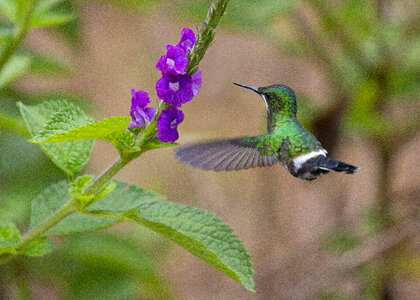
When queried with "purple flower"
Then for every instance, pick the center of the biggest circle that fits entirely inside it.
(178, 89)
(140, 114)
(173, 62)
(167, 124)
(187, 39)
(196, 82)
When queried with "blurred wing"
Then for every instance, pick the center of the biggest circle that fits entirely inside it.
(226, 155)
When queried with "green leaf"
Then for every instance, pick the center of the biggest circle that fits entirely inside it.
(51, 200)
(84, 103)
(9, 236)
(105, 266)
(37, 247)
(407, 264)
(342, 241)
(330, 296)
(70, 156)
(17, 66)
(126, 139)
(45, 65)
(195, 229)
(143, 6)
(8, 8)
(6, 31)
(13, 124)
(108, 188)
(107, 129)
(50, 19)
(155, 143)
(71, 31)
(77, 186)
(45, 5)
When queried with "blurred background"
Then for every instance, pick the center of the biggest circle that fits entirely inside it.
(355, 68)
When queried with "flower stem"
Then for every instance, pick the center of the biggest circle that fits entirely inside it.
(206, 34)
(100, 181)
(67, 209)
(19, 33)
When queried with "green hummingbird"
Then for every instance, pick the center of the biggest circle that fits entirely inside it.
(286, 141)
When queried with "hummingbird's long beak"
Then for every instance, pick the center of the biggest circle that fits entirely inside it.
(255, 89)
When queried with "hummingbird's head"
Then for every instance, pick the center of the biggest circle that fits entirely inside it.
(278, 98)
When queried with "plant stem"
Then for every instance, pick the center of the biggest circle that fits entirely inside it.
(206, 34)
(67, 209)
(20, 32)
(100, 181)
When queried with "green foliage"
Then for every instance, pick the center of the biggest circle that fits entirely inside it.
(51, 19)
(330, 296)
(155, 143)
(25, 171)
(372, 277)
(44, 65)
(38, 247)
(77, 186)
(66, 118)
(372, 222)
(15, 68)
(9, 236)
(108, 129)
(13, 124)
(65, 134)
(141, 5)
(9, 9)
(196, 230)
(47, 117)
(6, 31)
(104, 266)
(342, 241)
(407, 264)
(45, 16)
(51, 200)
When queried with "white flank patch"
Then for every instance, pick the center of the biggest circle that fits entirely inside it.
(265, 101)
(301, 159)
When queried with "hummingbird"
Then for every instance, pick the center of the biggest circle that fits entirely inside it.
(286, 142)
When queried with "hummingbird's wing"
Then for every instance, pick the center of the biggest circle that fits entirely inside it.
(228, 155)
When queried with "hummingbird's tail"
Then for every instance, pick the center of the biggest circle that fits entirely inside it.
(328, 164)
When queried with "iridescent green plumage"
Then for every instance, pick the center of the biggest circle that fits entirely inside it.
(286, 141)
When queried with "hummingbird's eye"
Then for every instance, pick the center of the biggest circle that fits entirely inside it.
(267, 96)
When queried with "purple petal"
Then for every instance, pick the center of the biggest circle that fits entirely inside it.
(174, 61)
(187, 39)
(139, 99)
(167, 124)
(150, 113)
(140, 115)
(196, 82)
(185, 92)
(161, 64)
(134, 124)
(165, 93)
(175, 90)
